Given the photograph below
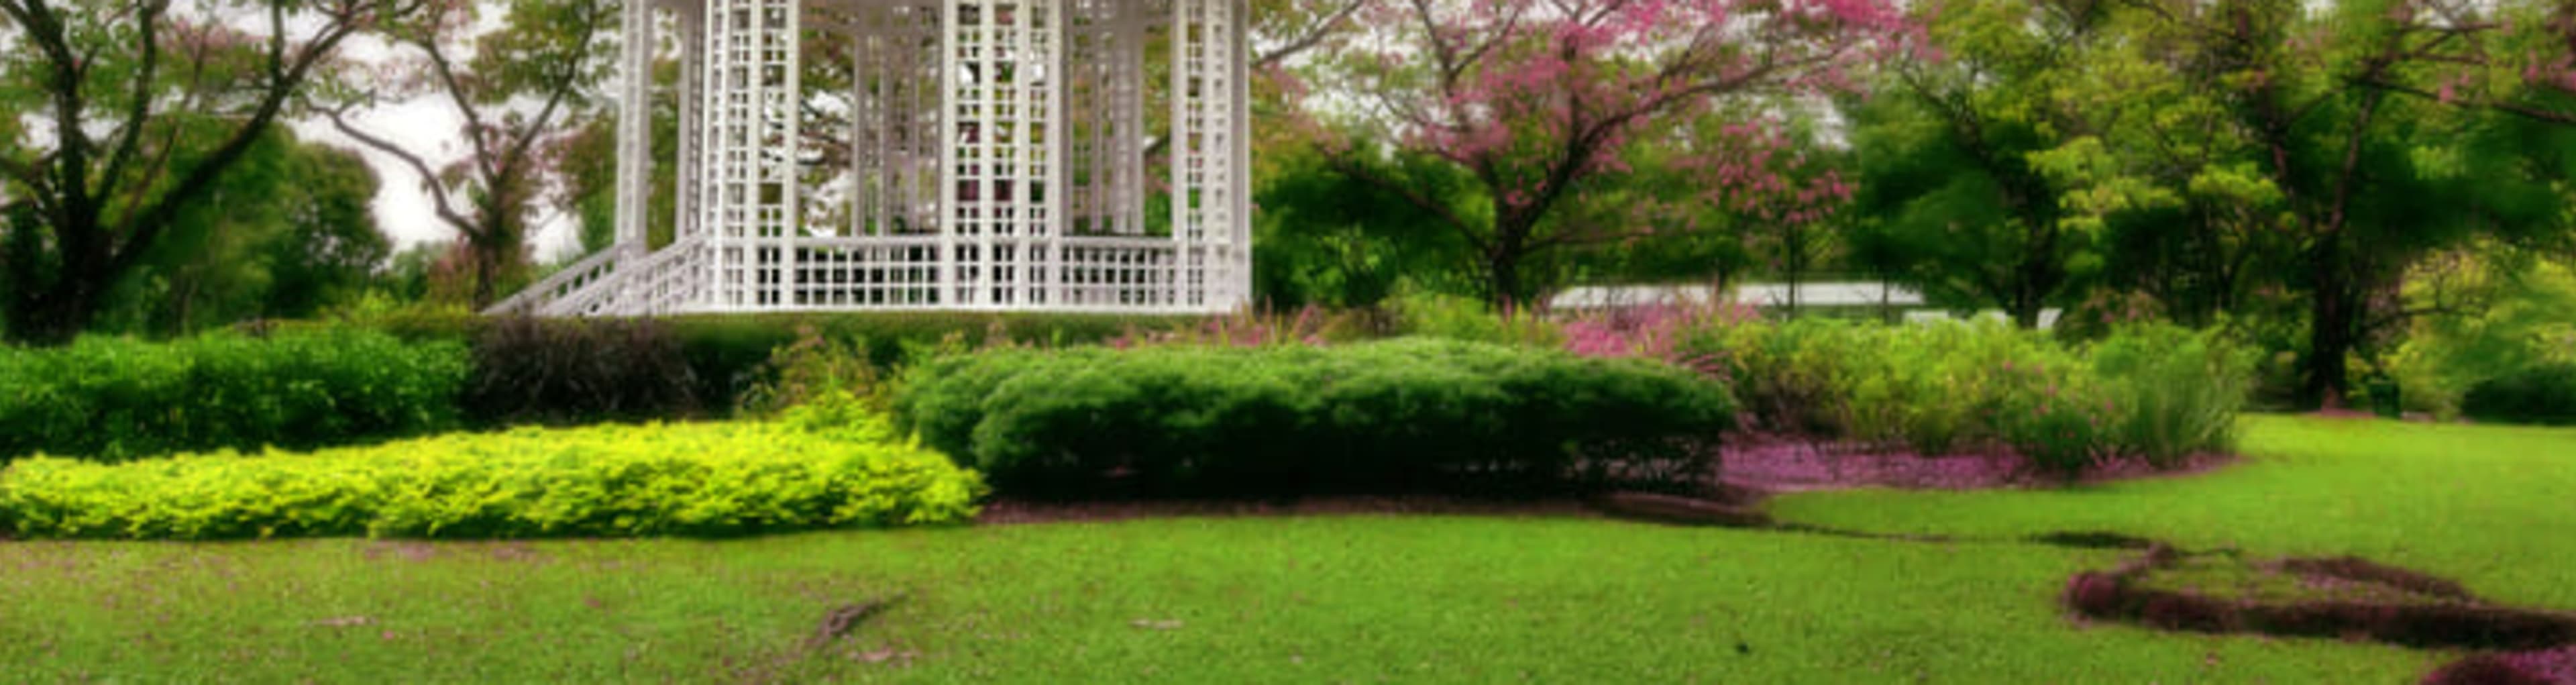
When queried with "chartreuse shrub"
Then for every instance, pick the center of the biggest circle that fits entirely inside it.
(1387, 416)
(610, 480)
(2157, 393)
(116, 398)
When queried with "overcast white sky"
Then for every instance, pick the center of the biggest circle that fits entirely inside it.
(428, 126)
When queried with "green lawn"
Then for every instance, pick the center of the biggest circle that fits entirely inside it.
(1326, 599)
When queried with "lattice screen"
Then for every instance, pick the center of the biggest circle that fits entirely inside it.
(1000, 154)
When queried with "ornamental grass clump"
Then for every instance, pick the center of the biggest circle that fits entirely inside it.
(2160, 394)
(813, 470)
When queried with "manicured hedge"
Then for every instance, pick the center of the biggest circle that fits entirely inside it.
(724, 353)
(2544, 394)
(686, 479)
(116, 398)
(1389, 416)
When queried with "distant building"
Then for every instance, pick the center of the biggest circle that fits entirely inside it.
(1831, 298)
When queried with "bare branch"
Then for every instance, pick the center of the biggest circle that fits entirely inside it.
(429, 179)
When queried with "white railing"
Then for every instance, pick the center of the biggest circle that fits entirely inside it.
(1083, 273)
(590, 271)
(668, 280)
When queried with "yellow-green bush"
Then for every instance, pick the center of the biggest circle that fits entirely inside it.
(680, 479)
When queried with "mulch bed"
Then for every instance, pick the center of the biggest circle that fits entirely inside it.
(2545, 667)
(1781, 465)
(1026, 511)
(2349, 598)
(1752, 469)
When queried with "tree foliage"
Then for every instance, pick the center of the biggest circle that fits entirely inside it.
(124, 114)
(2241, 156)
(518, 90)
(287, 233)
(1539, 101)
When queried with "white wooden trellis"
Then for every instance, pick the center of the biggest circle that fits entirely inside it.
(997, 160)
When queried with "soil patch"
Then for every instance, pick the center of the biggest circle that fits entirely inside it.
(1789, 465)
(842, 620)
(2547, 667)
(1693, 511)
(1752, 469)
(2341, 597)
(2093, 539)
(1011, 511)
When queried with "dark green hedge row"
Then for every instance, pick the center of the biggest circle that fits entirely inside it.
(115, 398)
(300, 385)
(1407, 415)
(718, 356)
(2543, 395)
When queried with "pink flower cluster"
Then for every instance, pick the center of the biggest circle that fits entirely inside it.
(1250, 329)
(1652, 331)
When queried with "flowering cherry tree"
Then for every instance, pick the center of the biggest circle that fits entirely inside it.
(1540, 101)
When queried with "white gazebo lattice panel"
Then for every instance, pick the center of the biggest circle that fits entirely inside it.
(996, 154)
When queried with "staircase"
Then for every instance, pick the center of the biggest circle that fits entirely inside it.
(613, 282)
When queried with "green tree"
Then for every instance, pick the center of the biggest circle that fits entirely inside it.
(286, 233)
(1956, 151)
(1322, 238)
(517, 88)
(124, 113)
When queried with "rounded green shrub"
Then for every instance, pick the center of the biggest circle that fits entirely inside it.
(1406, 415)
(2543, 394)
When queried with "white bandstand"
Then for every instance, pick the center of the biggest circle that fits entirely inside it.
(987, 154)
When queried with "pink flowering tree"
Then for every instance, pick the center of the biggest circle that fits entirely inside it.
(1541, 102)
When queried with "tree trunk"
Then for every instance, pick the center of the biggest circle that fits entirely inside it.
(54, 316)
(2331, 331)
(484, 267)
(2025, 306)
(1503, 282)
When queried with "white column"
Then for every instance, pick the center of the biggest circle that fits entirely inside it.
(1234, 284)
(1206, 132)
(634, 127)
(783, 219)
(751, 92)
(722, 155)
(951, 275)
(687, 189)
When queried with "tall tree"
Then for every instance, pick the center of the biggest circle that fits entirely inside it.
(1953, 148)
(516, 89)
(287, 232)
(2344, 160)
(2341, 181)
(113, 90)
(1537, 100)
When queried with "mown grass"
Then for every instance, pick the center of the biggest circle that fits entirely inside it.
(2491, 506)
(1324, 599)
